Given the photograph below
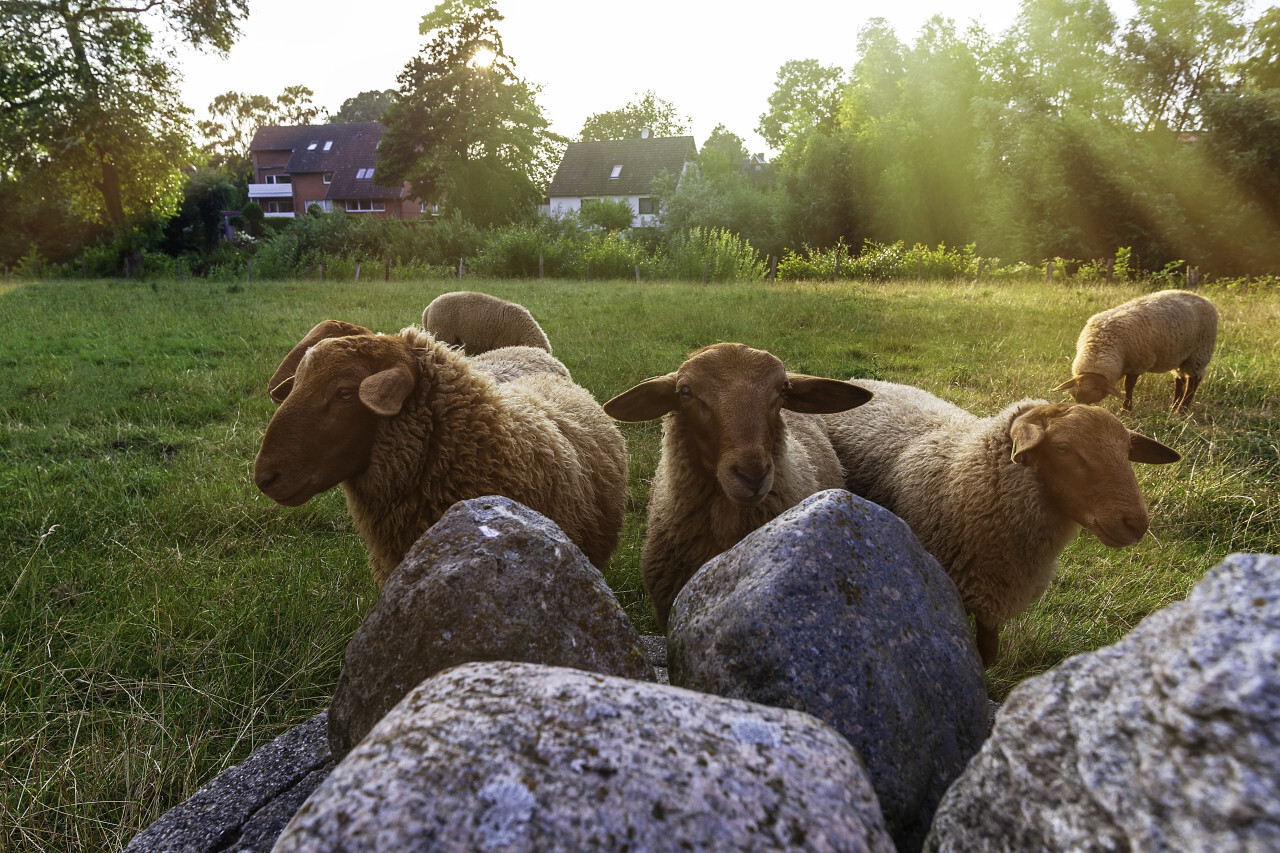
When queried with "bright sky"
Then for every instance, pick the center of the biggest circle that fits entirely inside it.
(714, 60)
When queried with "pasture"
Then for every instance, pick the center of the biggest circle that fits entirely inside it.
(160, 618)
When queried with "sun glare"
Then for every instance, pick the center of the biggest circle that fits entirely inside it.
(483, 58)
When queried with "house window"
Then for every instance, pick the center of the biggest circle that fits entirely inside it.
(361, 174)
(647, 206)
(284, 205)
(617, 170)
(312, 146)
(327, 177)
(277, 179)
(365, 206)
(328, 143)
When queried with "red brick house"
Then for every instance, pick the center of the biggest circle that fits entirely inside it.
(331, 165)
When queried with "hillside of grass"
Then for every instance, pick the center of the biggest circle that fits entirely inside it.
(160, 618)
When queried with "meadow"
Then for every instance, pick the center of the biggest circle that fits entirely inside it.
(160, 618)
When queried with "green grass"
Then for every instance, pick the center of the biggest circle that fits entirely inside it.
(160, 618)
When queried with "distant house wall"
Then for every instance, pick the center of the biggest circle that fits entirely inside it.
(565, 205)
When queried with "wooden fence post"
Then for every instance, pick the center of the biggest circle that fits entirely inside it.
(249, 265)
(386, 274)
(459, 269)
(637, 273)
(1111, 269)
(1048, 273)
(773, 268)
(541, 265)
(588, 269)
(704, 272)
(979, 278)
(919, 269)
(838, 253)
(84, 269)
(179, 270)
(357, 270)
(321, 268)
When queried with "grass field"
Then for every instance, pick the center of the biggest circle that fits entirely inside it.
(160, 618)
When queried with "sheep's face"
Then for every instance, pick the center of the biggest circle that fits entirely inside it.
(726, 406)
(1089, 388)
(1082, 456)
(323, 432)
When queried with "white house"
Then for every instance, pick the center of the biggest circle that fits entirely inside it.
(618, 169)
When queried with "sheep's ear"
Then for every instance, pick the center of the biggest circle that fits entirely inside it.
(814, 395)
(648, 401)
(1150, 451)
(1025, 434)
(282, 380)
(1069, 384)
(385, 392)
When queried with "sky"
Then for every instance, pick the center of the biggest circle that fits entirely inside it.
(713, 60)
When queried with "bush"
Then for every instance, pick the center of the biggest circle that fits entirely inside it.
(727, 256)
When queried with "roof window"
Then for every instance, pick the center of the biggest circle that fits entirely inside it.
(312, 146)
(364, 173)
(328, 143)
(617, 170)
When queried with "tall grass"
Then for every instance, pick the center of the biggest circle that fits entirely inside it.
(159, 618)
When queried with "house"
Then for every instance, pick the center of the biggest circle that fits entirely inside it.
(331, 165)
(618, 169)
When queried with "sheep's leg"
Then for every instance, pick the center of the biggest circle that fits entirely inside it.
(988, 642)
(1130, 382)
(1179, 392)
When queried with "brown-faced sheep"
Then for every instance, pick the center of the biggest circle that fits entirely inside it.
(996, 499)
(409, 426)
(1170, 330)
(736, 452)
(479, 322)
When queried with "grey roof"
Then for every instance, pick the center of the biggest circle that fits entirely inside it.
(587, 166)
(353, 147)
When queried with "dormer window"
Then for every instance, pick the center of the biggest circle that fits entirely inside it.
(328, 143)
(327, 177)
(617, 170)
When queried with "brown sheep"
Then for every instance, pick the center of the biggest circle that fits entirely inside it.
(740, 446)
(995, 500)
(1171, 330)
(409, 426)
(478, 322)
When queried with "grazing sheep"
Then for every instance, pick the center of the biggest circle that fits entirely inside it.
(479, 322)
(1170, 330)
(735, 454)
(507, 363)
(995, 500)
(409, 426)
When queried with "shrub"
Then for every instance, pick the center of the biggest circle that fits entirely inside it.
(727, 256)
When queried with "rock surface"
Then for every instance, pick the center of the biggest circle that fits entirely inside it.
(1167, 740)
(515, 756)
(492, 580)
(244, 808)
(835, 609)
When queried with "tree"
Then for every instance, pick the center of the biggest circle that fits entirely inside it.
(806, 94)
(647, 112)
(466, 132)
(86, 99)
(610, 214)
(366, 106)
(235, 117)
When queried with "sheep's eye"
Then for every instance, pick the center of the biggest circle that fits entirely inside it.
(786, 386)
(346, 393)
(686, 391)
(1062, 447)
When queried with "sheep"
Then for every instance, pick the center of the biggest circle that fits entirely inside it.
(736, 452)
(1170, 330)
(409, 426)
(995, 500)
(507, 363)
(479, 322)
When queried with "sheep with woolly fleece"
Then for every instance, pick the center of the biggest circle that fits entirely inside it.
(1172, 330)
(740, 445)
(995, 500)
(409, 426)
(479, 322)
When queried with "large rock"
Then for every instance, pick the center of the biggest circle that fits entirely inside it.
(1168, 740)
(492, 580)
(244, 808)
(833, 608)
(514, 756)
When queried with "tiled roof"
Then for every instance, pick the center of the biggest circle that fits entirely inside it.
(587, 167)
(351, 147)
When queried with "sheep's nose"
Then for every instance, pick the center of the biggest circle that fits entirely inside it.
(754, 481)
(1135, 525)
(263, 478)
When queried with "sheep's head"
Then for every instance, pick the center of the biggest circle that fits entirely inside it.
(1082, 454)
(333, 387)
(726, 401)
(1089, 388)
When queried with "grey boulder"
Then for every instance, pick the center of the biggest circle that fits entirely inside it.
(834, 608)
(1167, 740)
(517, 756)
(491, 580)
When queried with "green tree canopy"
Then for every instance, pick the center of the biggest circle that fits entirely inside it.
(805, 94)
(466, 132)
(86, 99)
(234, 117)
(366, 106)
(646, 112)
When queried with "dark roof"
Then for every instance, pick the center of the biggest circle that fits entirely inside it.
(587, 166)
(352, 147)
